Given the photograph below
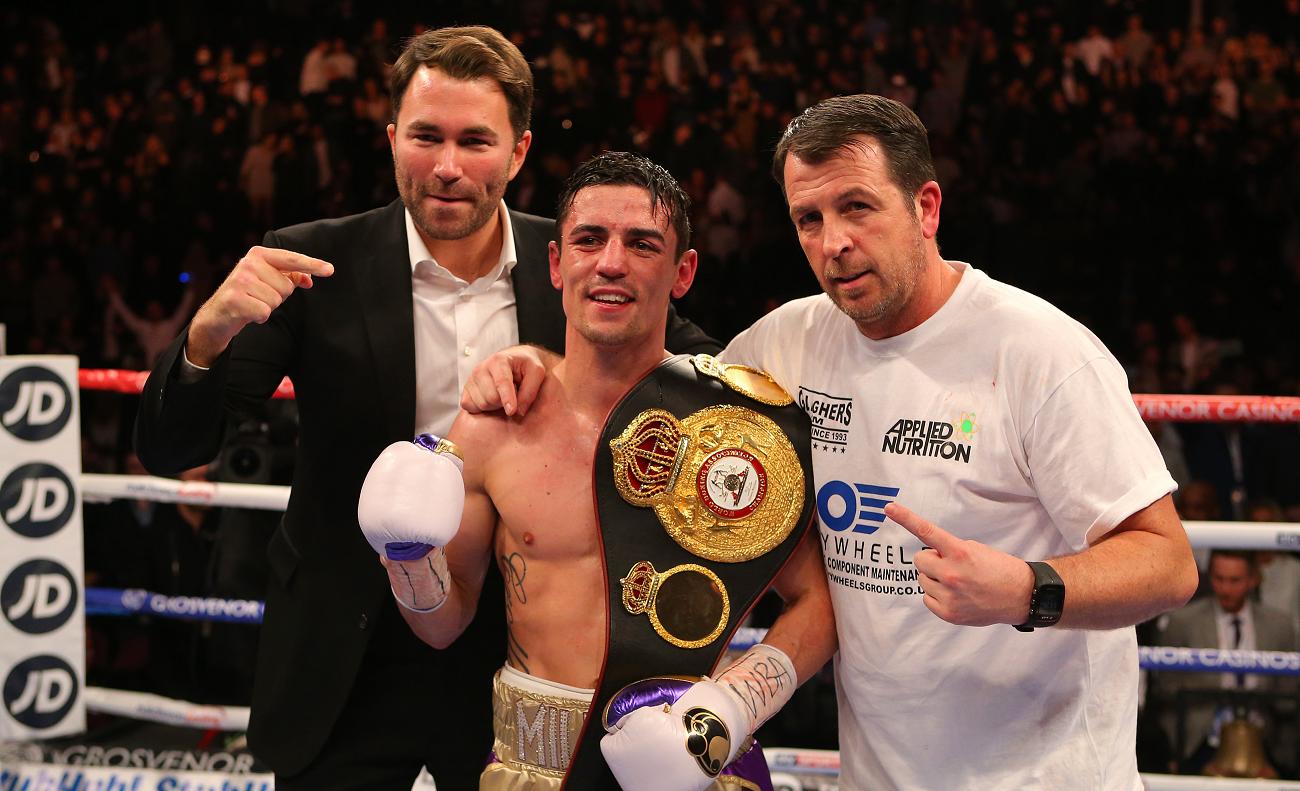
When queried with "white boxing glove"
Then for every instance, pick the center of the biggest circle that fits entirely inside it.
(410, 506)
(661, 738)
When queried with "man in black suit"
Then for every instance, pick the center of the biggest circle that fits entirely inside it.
(378, 320)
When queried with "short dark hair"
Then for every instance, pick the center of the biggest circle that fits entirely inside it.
(838, 123)
(1248, 555)
(468, 53)
(620, 168)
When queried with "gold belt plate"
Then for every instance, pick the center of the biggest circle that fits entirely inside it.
(724, 482)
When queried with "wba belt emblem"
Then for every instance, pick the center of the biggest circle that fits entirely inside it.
(725, 482)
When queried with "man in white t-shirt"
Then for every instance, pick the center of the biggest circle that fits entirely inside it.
(1008, 424)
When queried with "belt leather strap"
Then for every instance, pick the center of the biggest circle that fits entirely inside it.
(755, 484)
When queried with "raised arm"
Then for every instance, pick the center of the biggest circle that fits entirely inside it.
(427, 514)
(205, 375)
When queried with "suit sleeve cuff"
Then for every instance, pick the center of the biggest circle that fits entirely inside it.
(187, 372)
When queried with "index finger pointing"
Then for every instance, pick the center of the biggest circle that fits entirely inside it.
(290, 261)
(931, 535)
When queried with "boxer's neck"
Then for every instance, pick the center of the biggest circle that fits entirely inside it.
(596, 377)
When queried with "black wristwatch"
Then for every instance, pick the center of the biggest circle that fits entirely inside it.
(1048, 599)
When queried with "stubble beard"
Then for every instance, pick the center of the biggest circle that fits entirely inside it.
(607, 336)
(483, 208)
(896, 289)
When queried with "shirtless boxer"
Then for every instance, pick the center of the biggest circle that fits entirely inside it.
(528, 505)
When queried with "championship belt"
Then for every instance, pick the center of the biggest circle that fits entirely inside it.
(703, 485)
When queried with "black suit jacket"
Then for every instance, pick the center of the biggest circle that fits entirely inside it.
(348, 346)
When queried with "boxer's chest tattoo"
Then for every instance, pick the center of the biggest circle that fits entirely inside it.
(513, 570)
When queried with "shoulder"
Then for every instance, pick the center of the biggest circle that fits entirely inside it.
(531, 221)
(475, 433)
(324, 237)
(1010, 307)
(530, 230)
(480, 436)
(788, 340)
(1036, 346)
(789, 323)
(1196, 612)
(1273, 621)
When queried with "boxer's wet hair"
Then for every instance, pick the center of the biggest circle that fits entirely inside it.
(468, 53)
(841, 122)
(620, 169)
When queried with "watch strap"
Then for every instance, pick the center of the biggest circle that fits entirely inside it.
(1044, 577)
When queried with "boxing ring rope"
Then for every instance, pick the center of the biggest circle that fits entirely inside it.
(97, 488)
(1152, 406)
(823, 763)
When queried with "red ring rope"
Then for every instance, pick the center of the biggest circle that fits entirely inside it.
(133, 381)
(1177, 408)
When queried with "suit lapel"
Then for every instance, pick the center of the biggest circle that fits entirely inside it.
(384, 286)
(538, 306)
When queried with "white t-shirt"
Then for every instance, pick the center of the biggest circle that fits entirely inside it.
(1002, 420)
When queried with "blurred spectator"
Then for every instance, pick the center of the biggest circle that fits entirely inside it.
(154, 330)
(257, 177)
(1198, 501)
(314, 77)
(1279, 585)
(1228, 620)
(1136, 43)
(339, 63)
(1095, 49)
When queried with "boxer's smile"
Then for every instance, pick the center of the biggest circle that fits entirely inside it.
(611, 298)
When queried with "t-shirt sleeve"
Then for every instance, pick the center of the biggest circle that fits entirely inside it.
(1092, 460)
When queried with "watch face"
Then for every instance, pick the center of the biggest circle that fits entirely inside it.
(1051, 598)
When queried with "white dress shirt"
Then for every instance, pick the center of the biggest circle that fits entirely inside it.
(1223, 621)
(457, 324)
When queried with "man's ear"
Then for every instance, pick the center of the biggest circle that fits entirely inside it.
(553, 257)
(519, 153)
(686, 267)
(928, 200)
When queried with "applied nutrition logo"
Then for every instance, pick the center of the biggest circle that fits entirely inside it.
(830, 415)
(950, 440)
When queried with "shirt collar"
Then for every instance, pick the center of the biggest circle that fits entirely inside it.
(1226, 617)
(418, 251)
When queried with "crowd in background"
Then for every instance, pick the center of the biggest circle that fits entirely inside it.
(1135, 163)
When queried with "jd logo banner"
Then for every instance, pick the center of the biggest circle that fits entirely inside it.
(34, 403)
(36, 500)
(39, 691)
(39, 596)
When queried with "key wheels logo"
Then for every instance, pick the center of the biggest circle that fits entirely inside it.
(39, 692)
(36, 500)
(34, 403)
(860, 506)
(39, 596)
